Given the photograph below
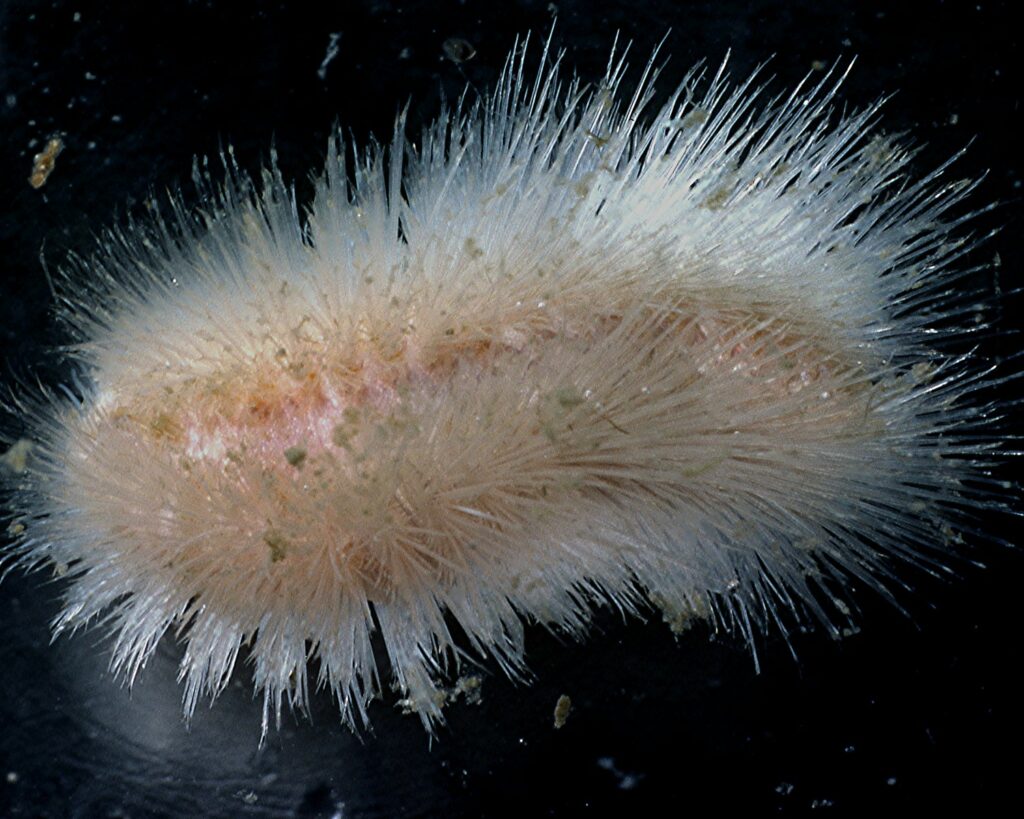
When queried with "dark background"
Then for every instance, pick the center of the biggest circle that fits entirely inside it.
(921, 711)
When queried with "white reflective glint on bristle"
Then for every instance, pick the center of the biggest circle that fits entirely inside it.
(558, 352)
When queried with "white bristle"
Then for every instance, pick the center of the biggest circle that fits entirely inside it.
(561, 350)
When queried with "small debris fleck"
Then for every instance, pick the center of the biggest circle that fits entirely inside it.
(44, 161)
(568, 397)
(695, 116)
(15, 459)
(340, 437)
(680, 617)
(458, 50)
(332, 52)
(562, 709)
(296, 456)
(278, 544)
(626, 781)
(467, 687)
(12, 777)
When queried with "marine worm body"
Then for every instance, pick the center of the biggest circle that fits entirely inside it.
(565, 349)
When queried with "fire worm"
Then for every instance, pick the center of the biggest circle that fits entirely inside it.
(566, 349)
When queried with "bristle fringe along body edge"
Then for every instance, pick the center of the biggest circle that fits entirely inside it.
(561, 351)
